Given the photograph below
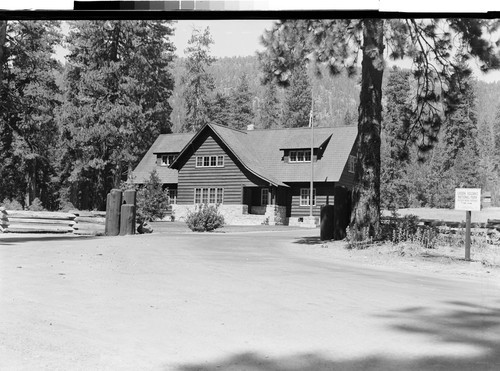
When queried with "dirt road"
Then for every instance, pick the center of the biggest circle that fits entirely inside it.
(250, 301)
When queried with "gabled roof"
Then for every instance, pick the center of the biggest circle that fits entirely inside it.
(337, 142)
(237, 142)
(165, 143)
(261, 152)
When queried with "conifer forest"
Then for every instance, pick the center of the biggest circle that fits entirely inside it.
(72, 129)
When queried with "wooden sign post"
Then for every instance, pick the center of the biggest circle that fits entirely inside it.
(467, 199)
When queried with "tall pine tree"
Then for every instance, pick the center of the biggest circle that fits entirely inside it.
(117, 87)
(199, 83)
(270, 112)
(298, 100)
(338, 43)
(241, 105)
(394, 147)
(29, 96)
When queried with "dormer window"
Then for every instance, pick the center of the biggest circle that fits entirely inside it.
(300, 156)
(166, 160)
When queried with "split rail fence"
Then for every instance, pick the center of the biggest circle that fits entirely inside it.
(89, 223)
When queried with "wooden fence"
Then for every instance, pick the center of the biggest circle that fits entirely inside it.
(76, 222)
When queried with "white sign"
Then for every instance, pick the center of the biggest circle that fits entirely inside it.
(468, 199)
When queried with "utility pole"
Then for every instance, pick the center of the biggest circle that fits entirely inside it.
(311, 124)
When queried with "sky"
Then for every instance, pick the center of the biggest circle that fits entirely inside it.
(231, 37)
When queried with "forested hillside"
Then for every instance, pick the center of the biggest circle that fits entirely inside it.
(333, 96)
(68, 133)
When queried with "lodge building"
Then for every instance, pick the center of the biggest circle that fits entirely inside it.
(255, 176)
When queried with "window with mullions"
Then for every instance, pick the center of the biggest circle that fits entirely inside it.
(300, 156)
(166, 160)
(209, 161)
(208, 195)
(305, 194)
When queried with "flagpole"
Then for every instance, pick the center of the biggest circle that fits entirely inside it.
(311, 124)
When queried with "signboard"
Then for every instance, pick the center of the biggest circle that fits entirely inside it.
(468, 199)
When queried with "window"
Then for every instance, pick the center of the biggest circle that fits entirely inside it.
(351, 163)
(172, 196)
(220, 161)
(264, 196)
(208, 195)
(197, 195)
(220, 194)
(300, 156)
(305, 194)
(166, 160)
(209, 161)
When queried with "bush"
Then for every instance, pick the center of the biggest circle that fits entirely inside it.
(205, 218)
(406, 229)
(36, 205)
(11, 204)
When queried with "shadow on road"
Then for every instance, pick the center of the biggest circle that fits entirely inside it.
(461, 324)
(309, 241)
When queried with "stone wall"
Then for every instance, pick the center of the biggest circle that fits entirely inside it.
(276, 215)
(303, 222)
(238, 214)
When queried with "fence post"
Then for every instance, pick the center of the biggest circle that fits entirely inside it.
(128, 211)
(113, 210)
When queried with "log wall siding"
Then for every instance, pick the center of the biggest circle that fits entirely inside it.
(324, 195)
(232, 176)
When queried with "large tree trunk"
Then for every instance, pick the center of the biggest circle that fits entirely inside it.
(365, 217)
(3, 39)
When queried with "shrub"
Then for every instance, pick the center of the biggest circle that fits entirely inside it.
(11, 204)
(406, 229)
(66, 206)
(36, 205)
(205, 218)
(152, 200)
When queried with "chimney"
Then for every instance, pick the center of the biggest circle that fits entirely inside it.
(250, 127)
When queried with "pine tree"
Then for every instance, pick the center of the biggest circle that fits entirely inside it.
(29, 97)
(337, 43)
(199, 83)
(117, 88)
(298, 98)
(395, 152)
(270, 113)
(349, 118)
(241, 105)
(221, 112)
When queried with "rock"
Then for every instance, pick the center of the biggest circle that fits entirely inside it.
(144, 228)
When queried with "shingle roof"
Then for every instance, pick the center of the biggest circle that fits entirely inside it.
(328, 168)
(163, 144)
(261, 151)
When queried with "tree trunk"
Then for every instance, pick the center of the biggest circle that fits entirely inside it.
(3, 39)
(365, 216)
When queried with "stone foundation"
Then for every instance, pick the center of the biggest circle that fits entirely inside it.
(238, 214)
(304, 222)
(276, 215)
